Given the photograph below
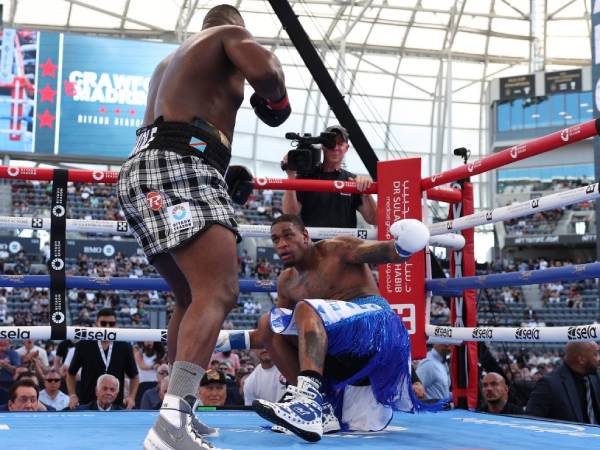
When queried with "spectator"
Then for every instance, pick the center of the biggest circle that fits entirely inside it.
(148, 357)
(265, 382)
(22, 396)
(9, 361)
(331, 209)
(30, 352)
(231, 357)
(213, 389)
(151, 397)
(433, 373)
(97, 358)
(495, 394)
(565, 393)
(107, 389)
(51, 395)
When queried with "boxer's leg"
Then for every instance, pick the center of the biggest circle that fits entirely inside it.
(283, 349)
(168, 269)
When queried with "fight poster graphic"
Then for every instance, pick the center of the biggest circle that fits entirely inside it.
(104, 85)
(403, 285)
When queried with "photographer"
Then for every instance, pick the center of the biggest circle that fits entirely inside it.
(331, 209)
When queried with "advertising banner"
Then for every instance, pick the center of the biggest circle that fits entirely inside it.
(403, 284)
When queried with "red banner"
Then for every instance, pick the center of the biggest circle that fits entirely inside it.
(403, 285)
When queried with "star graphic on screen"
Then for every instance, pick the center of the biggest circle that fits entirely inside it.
(47, 94)
(117, 111)
(48, 68)
(46, 119)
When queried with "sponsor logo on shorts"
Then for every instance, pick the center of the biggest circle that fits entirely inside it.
(482, 333)
(15, 334)
(89, 335)
(58, 317)
(180, 217)
(582, 332)
(443, 332)
(144, 139)
(529, 334)
(154, 200)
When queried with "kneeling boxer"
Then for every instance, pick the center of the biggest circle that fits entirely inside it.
(344, 351)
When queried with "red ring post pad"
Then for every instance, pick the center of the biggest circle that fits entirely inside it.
(403, 285)
(534, 147)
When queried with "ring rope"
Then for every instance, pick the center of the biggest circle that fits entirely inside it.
(455, 286)
(552, 201)
(120, 227)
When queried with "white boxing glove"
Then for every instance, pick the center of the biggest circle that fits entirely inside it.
(411, 236)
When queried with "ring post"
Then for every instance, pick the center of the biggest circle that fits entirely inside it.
(463, 364)
(403, 285)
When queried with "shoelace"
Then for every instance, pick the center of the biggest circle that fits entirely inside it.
(297, 392)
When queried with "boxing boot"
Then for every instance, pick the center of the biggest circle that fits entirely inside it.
(173, 428)
(302, 414)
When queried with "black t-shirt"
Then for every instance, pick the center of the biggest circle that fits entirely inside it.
(63, 348)
(87, 358)
(329, 209)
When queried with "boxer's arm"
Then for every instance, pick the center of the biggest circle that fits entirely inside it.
(358, 251)
(259, 66)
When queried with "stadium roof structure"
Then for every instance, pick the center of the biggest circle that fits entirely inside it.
(415, 72)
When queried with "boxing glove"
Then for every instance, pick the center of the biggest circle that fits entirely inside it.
(271, 113)
(239, 184)
(411, 236)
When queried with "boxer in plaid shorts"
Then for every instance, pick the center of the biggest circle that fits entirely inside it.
(175, 197)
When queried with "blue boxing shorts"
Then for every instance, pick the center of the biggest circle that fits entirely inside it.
(368, 331)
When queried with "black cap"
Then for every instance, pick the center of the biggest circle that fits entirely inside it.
(213, 376)
(337, 129)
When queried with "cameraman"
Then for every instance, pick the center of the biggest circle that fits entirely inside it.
(331, 209)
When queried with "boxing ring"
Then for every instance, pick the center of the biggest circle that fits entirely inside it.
(458, 428)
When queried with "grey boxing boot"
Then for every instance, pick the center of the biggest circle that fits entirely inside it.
(174, 430)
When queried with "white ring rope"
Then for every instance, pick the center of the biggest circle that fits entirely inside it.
(448, 240)
(570, 197)
(440, 333)
(522, 334)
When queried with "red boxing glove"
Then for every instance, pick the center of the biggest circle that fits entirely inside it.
(271, 113)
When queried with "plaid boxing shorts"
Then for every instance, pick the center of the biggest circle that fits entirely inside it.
(169, 194)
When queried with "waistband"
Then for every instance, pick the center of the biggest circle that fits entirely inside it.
(197, 138)
(374, 299)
